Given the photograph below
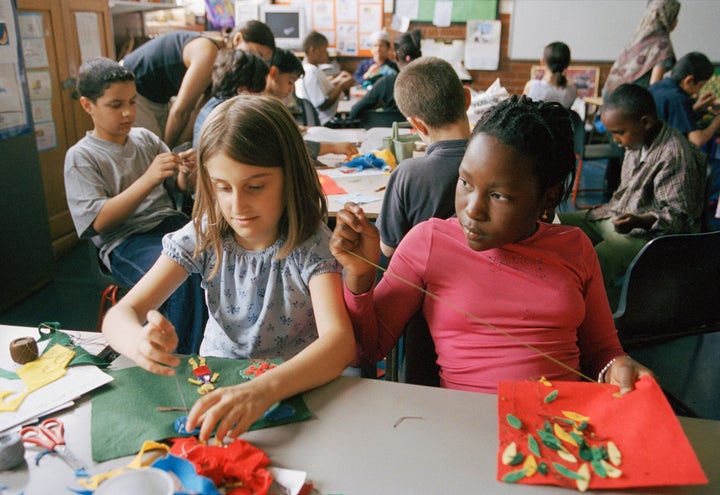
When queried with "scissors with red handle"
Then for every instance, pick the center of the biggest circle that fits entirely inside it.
(49, 435)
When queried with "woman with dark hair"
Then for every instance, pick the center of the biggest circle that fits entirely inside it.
(178, 66)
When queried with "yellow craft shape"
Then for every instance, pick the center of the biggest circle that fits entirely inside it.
(36, 374)
(158, 449)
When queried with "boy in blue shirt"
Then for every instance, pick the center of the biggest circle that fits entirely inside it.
(675, 102)
(118, 180)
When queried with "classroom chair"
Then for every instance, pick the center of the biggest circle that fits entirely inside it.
(308, 116)
(670, 290)
(380, 118)
(585, 152)
(414, 360)
(102, 275)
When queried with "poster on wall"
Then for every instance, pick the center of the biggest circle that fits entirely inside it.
(347, 24)
(14, 107)
(482, 45)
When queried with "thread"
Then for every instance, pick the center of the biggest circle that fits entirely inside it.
(12, 451)
(472, 316)
(23, 350)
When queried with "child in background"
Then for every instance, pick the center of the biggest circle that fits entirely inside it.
(382, 94)
(538, 282)
(259, 242)
(285, 70)
(315, 87)
(234, 72)
(661, 186)
(678, 102)
(371, 69)
(553, 86)
(432, 97)
(117, 182)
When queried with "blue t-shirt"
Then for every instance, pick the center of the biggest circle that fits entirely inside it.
(674, 105)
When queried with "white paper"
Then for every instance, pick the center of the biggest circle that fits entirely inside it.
(482, 45)
(407, 8)
(45, 136)
(357, 198)
(443, 13)
(290, 481)
(320, 133)
(77, 381)
(88, 35)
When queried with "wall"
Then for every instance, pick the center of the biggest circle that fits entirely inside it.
(513, 74)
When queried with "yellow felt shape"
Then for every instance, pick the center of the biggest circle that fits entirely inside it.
(158, 450)
(36, 374)
(386, 155)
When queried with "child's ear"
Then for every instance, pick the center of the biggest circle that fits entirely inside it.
(419, 125)
(86, 104)
(552, 197)
(686, 82)
(468, 97)
(273, 73)
(648, 122)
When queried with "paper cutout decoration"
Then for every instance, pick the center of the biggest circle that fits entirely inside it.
(36, 374)
(132, 397)
(329, 186)
(641, 424)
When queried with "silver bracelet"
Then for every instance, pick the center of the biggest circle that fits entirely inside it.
(601, 375)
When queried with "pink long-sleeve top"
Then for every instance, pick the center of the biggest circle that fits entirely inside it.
(546, 291)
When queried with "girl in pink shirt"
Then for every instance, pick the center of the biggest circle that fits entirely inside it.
(510, 279)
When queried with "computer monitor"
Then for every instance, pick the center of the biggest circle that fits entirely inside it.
(288, 24)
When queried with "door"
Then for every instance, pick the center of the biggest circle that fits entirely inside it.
(72, 31)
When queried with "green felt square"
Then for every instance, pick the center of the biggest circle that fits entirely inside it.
(124, 411)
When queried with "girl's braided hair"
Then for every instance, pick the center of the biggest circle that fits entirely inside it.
(542, 131)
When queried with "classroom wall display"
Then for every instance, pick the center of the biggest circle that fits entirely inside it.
(347, 24)
(597, 30)
(586, 78)
(462, 10)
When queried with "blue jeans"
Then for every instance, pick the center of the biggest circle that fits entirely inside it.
(185, 308)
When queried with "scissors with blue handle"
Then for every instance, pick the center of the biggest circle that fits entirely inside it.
(50, 435)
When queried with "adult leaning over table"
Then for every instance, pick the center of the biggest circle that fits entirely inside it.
(173, 75)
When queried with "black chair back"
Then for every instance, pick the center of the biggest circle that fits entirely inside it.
(671, 289)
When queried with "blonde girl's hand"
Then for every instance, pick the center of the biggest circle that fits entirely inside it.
(155, 347)
(624, 372)
(231, 409)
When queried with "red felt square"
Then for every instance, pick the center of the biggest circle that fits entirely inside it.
(329, 186)
(654, 448)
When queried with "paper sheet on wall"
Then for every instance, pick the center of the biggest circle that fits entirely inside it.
(482, 45)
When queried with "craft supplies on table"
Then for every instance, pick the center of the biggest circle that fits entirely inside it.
(50, 435)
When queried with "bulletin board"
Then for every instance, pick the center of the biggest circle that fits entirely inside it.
(347, 24)
(462, 10)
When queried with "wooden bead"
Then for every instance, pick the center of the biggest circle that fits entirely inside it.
(23, 350)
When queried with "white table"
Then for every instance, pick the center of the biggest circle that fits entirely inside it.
(357, 445)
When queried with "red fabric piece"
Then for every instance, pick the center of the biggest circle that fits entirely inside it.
(237, 463)
(202, 370)
(654, 448)
(329, 186)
